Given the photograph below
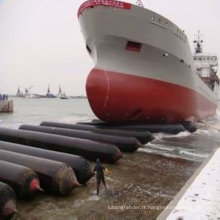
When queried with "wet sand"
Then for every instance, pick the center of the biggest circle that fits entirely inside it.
(142, 182)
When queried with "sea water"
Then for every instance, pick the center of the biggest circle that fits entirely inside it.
(35, 110)
(196, 146)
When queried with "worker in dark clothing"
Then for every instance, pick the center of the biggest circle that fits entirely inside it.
(100, 177)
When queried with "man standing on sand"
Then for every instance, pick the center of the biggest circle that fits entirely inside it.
(99, 169)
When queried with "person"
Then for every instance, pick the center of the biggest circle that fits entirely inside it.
(100, 177)
(1, 97)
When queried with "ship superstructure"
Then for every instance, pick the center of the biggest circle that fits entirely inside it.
(206, 65)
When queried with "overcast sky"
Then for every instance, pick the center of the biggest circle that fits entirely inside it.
(41, 42)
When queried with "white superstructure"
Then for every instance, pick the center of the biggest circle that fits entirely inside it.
(206, 65)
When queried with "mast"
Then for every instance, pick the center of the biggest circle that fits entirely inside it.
(60, 91)
(48, 90)
(19, 91)
(198, 43)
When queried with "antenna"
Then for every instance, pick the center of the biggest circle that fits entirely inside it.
(198, 42)
(199, 35)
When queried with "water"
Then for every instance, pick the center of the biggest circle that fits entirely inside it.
(34, 111)
(196, 146)
(146, 181)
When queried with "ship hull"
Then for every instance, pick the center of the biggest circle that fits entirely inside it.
(143, 69)
(118, 97)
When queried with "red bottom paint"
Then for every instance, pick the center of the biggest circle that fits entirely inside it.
(118, 97)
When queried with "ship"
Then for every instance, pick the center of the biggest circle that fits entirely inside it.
(144, 69)
(61, 94)
(26, 93)
(49, 94)
(19, 93)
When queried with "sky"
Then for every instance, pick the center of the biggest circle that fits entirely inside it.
(41, 43)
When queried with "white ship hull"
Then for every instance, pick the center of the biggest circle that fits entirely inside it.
(144, 69)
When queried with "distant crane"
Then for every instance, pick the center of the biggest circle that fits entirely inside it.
(62, 95)
(19, 93)
(60, 92)
(27, 90)
(49, 95)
